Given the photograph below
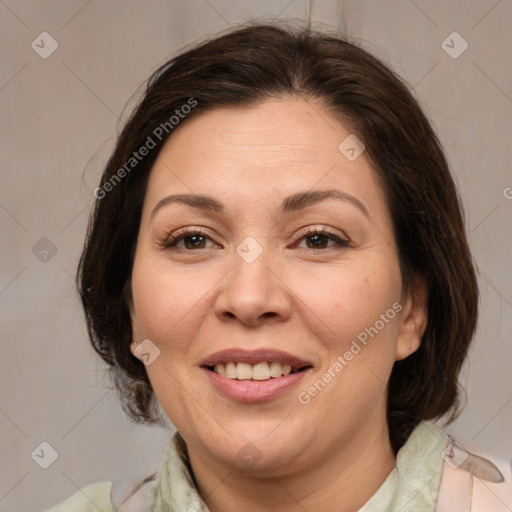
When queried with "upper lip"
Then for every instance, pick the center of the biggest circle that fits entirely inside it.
(253, 357)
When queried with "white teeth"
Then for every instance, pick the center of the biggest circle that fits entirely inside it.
(231, 371)
(261, 371)
(245, 371)
(276, 369)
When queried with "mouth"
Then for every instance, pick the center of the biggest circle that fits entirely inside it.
(261, 364)
(254, 376)
(264, 370)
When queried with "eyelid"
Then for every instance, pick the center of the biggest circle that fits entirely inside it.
(322, 229)
(187, 231)
(338, 236)
(178, 235)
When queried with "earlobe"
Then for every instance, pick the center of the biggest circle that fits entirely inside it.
(414, 319)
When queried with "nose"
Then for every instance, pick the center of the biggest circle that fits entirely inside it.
(253, 293)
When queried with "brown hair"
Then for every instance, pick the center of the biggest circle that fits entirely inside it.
(243, 67)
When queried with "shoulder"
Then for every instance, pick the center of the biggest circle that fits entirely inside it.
(473, 480)
(127, 495)
(91, 498)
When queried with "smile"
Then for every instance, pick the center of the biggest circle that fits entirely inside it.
(254, 375)
(261, 371)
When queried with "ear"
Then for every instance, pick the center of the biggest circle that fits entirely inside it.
(414, 319)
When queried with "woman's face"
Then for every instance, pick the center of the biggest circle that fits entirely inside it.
(262, 245)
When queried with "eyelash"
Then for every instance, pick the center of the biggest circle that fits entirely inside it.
(172, 240)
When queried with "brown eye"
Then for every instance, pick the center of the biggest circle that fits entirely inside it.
(321, 239)
(189, 240)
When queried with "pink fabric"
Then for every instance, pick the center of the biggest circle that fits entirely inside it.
(470, 483)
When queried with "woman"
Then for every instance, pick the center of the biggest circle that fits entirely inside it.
(277, 257)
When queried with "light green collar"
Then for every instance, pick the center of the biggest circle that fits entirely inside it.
(412, 485)
(175, 490)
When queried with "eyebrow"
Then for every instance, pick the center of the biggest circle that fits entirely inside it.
(292, 203)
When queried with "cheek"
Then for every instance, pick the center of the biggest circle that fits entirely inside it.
(168, 311)
(355, 316)
(166, 303)
(346, 301)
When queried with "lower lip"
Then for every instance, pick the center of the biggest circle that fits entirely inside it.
(254, 390)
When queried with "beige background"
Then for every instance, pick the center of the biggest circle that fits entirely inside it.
(58, 122)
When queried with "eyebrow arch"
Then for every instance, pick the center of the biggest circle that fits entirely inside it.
(292, 203)
(302, 200)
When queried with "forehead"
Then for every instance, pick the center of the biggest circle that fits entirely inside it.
(279, 146)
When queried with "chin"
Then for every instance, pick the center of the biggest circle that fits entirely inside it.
(260, 450)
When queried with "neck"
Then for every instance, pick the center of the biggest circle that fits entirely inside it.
(341, 481)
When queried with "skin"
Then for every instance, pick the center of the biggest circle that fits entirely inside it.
(199, 297)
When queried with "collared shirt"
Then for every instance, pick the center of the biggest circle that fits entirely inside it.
(432, 474)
